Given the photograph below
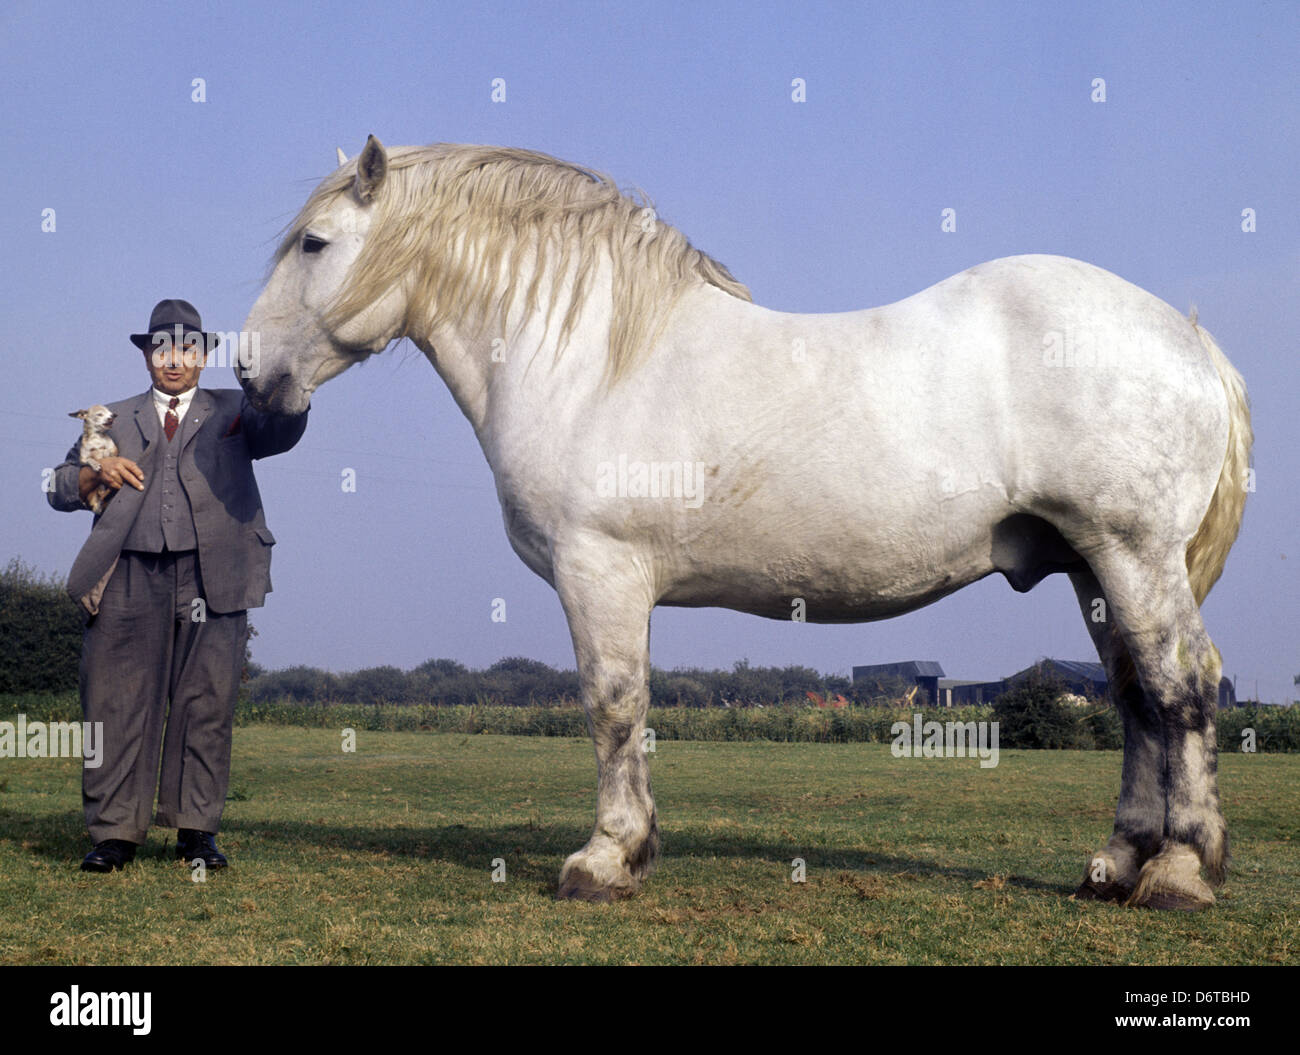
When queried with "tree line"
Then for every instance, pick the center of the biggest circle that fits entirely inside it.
(519, 681)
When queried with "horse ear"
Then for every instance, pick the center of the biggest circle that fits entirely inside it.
(343, 158)
(372, 167)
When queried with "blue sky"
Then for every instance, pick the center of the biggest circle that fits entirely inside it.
(827, 205)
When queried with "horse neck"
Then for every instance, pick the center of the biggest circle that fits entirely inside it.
(515, 373)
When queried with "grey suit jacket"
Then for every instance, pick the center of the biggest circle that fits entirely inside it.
(216, 469)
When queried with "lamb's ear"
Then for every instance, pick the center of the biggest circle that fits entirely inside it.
(343, 158)
(79, 414)
(372, 167)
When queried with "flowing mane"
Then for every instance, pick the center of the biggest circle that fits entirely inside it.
(478, 206)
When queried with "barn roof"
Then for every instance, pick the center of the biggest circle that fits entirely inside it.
(910, 668)
(1075, 668)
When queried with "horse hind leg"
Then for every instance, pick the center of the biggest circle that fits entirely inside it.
(1178, 667)
(609, 618)
(1112, 872)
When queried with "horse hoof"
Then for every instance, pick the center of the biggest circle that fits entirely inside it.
(1172, 881)
(1110, 875)
(577, 884)
(1174, 900)
(1090, 891)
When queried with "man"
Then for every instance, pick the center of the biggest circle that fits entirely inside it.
(174, 560)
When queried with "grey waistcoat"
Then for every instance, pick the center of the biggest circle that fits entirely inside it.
(165, 514)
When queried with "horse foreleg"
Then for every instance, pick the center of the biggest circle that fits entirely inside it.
(609, 617)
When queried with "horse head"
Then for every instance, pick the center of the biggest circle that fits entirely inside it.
(302, 328)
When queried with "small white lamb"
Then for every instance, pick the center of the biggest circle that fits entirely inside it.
(96, 444)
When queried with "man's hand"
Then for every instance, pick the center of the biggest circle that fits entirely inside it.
(113, 472)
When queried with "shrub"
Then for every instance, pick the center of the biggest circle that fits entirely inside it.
(41, 628)
(1031, 715)
(677, 690)
(519, 681)
(1101, 721)
(294, 683)
(385, 684)
(883, 691)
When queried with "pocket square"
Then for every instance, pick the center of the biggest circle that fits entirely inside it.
(235, 427)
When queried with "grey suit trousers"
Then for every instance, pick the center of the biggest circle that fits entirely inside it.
(151, 670)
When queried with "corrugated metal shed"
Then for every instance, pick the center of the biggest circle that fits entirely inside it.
(910, 668)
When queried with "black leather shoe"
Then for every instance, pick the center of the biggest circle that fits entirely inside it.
(192, 845)
(110, 854)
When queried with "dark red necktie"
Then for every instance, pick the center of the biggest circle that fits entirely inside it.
(171, 421)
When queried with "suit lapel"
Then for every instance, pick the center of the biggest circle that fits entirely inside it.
(200, 411)
(146, 419)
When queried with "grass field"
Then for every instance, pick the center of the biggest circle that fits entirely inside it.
(385, 856)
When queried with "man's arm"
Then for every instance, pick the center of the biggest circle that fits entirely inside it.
(73, 481)
(269, 434)
(67, 494)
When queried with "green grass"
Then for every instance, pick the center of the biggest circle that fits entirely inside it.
(385, 856)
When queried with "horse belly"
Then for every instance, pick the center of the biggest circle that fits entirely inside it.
(831, 571)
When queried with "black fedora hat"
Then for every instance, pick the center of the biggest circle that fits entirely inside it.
(178, 318)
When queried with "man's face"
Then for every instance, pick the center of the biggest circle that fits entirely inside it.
(175, 368)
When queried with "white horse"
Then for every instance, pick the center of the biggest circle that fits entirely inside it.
(658, 439)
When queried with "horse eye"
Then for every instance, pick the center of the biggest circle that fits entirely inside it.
(312, 244)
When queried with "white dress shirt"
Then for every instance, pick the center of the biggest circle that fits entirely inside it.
(162, 399)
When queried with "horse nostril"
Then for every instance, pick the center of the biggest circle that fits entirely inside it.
(263, 395)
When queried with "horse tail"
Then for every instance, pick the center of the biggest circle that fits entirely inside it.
(1208, 550)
